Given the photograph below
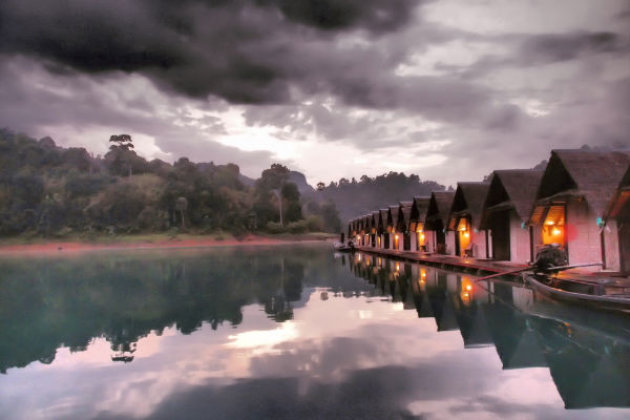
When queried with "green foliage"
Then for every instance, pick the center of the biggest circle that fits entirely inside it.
(298, 227)
(46, 189)
(274, 227)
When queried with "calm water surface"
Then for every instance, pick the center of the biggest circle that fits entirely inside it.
(291, 332)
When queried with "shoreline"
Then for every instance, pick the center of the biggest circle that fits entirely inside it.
(73, 246)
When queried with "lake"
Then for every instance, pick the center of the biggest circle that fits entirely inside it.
(294, 332)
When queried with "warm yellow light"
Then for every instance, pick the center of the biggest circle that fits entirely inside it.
(556, 231)
(423, 274)
(550, 223)
(396, 236)
(422, 236)
(397, 267)
(466, 234)
(469, 287)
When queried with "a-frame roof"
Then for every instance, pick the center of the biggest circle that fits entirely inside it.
(469, 199)
(440, 205)
(393, 216)
(404, 212)
(419, 209)
(593, 174)
(513, 188)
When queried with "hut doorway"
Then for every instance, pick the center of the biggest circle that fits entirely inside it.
(386, 241)
(463, 239)
(407, 241)
(500, 226)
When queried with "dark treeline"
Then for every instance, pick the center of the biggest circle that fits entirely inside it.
(49, 190)
(354, 197)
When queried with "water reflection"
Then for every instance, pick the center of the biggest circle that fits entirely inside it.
(587, 352)
(290, 332)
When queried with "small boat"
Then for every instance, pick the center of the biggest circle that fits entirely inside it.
(593, 294)
(341, 247)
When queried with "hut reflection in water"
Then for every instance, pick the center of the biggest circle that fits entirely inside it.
(587, 354)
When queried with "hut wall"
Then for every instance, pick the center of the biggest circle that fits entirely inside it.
(519, 240)
(413, 237)
(584, 237)
(478, 242)
(611, 246)
(450, 242)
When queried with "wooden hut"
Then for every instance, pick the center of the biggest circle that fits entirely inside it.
(383, 234)
(374, 228)
(437, 220)
(422, 239)
(619, 214)
(392, 223)
(404, 214)
(506, 211)
(572, 203)
(465, 220)
(366, 227)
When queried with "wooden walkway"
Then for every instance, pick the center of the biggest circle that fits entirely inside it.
(473, 265)
(482, 267)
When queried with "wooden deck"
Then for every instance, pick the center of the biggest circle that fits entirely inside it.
(482, 267)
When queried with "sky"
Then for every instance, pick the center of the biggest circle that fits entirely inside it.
(447, 89)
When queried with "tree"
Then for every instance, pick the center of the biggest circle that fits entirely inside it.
(291, 194)
(181, 205)
(320, 186)
(121, 151)
(122, 142)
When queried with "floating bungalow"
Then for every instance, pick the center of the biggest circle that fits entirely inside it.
(402, 228)
(373, 229)
(392, 223)
(465, 220)
(421, 241)
(506, 212)
(436, 221)
(383, 234)
(572, 203)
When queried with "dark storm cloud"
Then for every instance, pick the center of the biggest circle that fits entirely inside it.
(237, 50)
(541, 49)
(549, 48)
(373, 15)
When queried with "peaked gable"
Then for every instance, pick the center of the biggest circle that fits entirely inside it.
(595, 175)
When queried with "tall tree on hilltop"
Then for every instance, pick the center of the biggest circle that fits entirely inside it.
(121, 150)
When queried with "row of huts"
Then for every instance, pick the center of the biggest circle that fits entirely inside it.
(580, 201)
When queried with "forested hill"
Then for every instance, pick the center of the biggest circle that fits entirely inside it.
(354, 198)
(48, 190)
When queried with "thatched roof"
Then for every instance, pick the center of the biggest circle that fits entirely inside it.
(419, 209)
(383, 218)
(440, 205)
(404, 210)
(393, 216)
(513, 188)
(595, 175)
(469, 199)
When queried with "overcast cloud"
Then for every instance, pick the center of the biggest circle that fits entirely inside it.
(448, 89)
